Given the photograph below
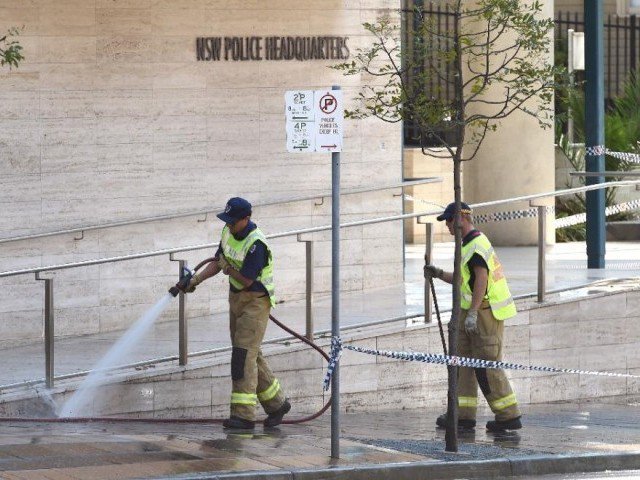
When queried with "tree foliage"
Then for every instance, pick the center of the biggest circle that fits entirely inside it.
(10, 49)
(495, 59)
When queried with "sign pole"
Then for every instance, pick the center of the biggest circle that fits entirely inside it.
(335, 296)
(314, 123)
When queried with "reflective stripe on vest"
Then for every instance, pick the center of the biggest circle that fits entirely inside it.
(468, 402)
(271, 391)
(235, 252)
(244, 398)
(504, 402)
(498, 294)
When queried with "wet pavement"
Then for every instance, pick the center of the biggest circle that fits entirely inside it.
(381, 443)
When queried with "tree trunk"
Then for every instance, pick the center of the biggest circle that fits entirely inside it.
(451, 437)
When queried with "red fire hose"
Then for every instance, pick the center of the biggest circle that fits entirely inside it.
(182, 420)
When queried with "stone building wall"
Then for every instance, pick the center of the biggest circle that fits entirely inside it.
(111, 117)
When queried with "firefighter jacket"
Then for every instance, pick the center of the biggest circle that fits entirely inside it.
(235, 252)
(498, 294)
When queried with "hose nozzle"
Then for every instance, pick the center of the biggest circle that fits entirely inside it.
(185, 277)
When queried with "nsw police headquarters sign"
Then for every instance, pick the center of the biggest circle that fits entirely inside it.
(216, 49)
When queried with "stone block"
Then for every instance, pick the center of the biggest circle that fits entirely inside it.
(516, 338)
(15, 105)
(556, 357)
(560, 335)
(633, 304)
(555, 313)
(186, 394)
(593, 308)
(554, 388)
(60, 20)
(67, 49)
(119, 21)
(120, 398)
(602, 331)
(122, 102)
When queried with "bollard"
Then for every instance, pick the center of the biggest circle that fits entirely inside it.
(183, 353)
(49, 331)
(542, 252)
(309, 286)
(428, 251)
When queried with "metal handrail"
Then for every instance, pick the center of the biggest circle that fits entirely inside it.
(605, 174)
(194, 213)
(165, 251)
(49, 309)
(326, 333)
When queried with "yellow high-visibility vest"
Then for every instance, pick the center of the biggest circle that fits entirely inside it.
(235, 252)
(498, 294)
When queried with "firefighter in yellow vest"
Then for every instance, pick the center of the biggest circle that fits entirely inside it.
(486, 302)
(244, 255)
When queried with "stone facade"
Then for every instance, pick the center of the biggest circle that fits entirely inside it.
(111, 117)
(597, 332)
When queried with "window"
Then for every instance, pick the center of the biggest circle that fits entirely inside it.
(628, 7)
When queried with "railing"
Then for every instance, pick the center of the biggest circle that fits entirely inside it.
(183, 354)
(198, 213)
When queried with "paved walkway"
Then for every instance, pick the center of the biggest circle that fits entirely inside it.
(566, 267)
(393, 445)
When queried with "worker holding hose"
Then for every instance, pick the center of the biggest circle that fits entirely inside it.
(486, 302)
(244, 255)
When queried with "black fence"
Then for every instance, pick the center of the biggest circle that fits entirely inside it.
(621, 37)
(621, 49)
(441, 20)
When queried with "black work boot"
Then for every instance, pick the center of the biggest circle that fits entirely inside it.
(275, 418)
(466, 423)
(237, 423)
(502, 425)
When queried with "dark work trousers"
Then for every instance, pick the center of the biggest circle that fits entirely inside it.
(495, 386)
(252, 378)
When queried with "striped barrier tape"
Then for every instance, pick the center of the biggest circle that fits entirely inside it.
(602, 150)
(582, 217)
(337, 346)
(533, 212)
(510, 215)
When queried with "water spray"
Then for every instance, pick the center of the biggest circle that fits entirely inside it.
(68, 412)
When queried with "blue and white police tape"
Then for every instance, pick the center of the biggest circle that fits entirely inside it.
(602, 150)
(510, 215)
(533, 212)
(337, 346)
(582, 217)
(334, 356)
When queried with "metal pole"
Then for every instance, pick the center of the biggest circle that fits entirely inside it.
(632, 46)
(49, 331)
(183, 337)
(594, 129)
(571, 80)
(183, 352)
(309, 293)
(335, 296)
(542, 251)
(428, 250)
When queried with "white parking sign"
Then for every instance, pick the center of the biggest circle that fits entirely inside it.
(329, 118)
(314, 120)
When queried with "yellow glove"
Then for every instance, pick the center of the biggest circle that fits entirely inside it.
(195, 281)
